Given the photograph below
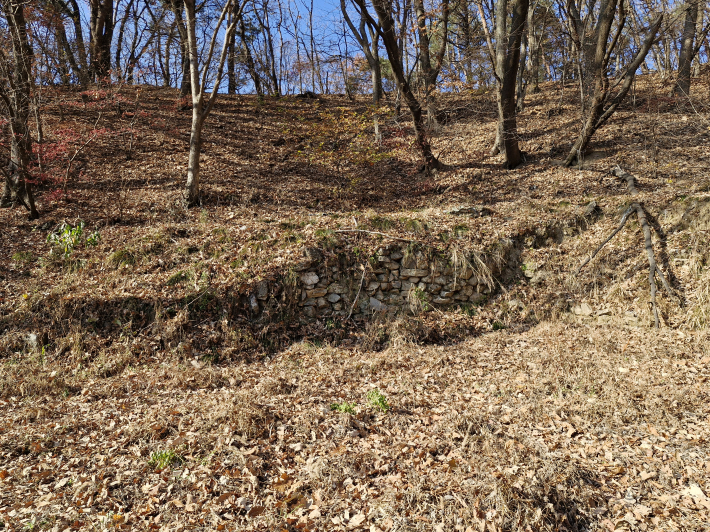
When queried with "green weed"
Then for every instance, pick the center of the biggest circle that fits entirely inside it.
(163, 459)
(377, 400)
(344, 407)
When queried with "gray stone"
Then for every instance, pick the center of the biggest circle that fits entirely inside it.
(440, 280)
(406, 287)
(336, 288)
(396, 255)
(414, 272)
(470, 210)
(434, 288)
(262, 290)
(333, 298)
(477, 297)
(413, 280)
(376, 305)
(447, 293)
(338, 306)
(253, 303)
(461, 297)
(321, 302)
(393, 265)
(441, 300)
(421, 285)
(310, 312)
(308, 303)
(397, 284)
(310, 278)
(372, 286)
(385, 286)
(381, 277)
(317, 292)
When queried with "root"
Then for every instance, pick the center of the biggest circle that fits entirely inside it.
(653, 268)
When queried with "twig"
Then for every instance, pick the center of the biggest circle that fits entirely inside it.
(362, 280)
(374, 233)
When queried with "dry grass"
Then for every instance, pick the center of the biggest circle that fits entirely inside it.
(562, 426)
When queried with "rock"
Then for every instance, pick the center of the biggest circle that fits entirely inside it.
(470, 210)
(414, 272)
(413, 280)
(308, 303)
(461, 297)
(396, 285)
(333, 298)
(372, 286)
(582, 310)
(309, 311)
(321, 302)
(592, 210)
(310, 278)
(376, 305)
(262, 290)
(32, 341)
(466, 274)
(316, 292)
(442, 301)
(253, 303)
(336, 288)
(539, 277)
(392, 265)
(514, 304)
(338, 306)
(396, 255)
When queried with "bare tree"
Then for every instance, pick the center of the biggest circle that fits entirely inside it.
(603, 101)
(689, 45)
(369, 40)
(505, 56)
(16, 93)
(202, 101)
(427, 40)
(387, 30)
(101, 25)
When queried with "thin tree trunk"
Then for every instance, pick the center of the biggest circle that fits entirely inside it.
(687, 45)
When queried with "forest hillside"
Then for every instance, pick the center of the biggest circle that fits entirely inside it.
(285, 357)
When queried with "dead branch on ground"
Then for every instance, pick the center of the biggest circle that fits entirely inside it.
(648, 242)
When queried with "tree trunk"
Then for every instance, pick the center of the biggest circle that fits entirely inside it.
(251, 66)
(101, 25)
(389, 39)
(17, 99)
(687, 45)
(507, 60)
(192, 188)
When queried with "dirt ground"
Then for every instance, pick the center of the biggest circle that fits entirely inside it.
(132, 397)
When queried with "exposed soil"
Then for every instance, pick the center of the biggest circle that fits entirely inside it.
(136, 392)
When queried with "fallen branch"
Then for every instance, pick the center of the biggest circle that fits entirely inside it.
(362, 280)
(640, 211)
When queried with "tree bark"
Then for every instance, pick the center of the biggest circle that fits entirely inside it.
(389, 38)
(16, 96)
(101, 25)
(688, 48)
(603, 105)
(369, 47)
(507, 59)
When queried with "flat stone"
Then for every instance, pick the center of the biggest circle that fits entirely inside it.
(310, 278)
(376, 305)
(336, 288)
(338, 306)
(396, 255)
(374, 285)
(392, 265)
(309, 311)
(441, 301)
(397, 284)
(321, 302)
(317, 292)
(582, 310)
(308, 303)
(414, 272)
(413, 280)
(466, 274)
(461, 297)
(262, 290)
(333, 298)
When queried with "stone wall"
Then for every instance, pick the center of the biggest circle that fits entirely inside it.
(394, 277)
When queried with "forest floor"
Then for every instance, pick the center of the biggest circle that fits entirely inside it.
(552, 406)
